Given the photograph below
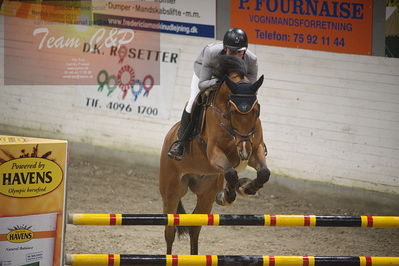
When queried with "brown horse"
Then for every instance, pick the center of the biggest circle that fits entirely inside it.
(231, 139)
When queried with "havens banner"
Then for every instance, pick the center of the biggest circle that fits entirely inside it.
(32, 200)
(329, 25)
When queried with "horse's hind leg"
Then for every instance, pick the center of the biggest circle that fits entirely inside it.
(206, 191)
(172, 189)
(170, 231)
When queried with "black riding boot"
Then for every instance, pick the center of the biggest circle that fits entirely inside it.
(176, 150)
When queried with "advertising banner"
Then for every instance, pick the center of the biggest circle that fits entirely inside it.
(329, 25)
(143, 98)
(57, 43)
(184, 17)
(32, 200)
(139, 77)
(109, 51)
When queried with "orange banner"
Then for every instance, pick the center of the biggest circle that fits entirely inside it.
(343, 26)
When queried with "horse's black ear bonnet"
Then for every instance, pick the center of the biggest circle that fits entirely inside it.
(244, 98)
(243, 94)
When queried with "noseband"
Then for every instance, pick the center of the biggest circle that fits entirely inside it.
(244, 111)
(229, 129)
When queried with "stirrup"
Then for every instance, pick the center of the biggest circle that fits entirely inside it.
(173, 152)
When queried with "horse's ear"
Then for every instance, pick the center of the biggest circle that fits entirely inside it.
(257, 84)
(231, 84)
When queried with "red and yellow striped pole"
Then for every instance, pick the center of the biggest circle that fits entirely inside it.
(95, 219)
(193, 219)
(214, 260)
(231, 219)
(93, 259)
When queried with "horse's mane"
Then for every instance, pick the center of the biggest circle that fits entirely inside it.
(225, 64)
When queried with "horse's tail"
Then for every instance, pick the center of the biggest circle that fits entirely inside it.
(181, 230)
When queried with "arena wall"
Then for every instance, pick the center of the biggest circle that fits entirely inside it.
(326, 117)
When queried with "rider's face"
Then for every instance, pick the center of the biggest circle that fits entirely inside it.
(236, 53)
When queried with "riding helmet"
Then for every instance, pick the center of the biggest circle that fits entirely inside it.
(235, 39)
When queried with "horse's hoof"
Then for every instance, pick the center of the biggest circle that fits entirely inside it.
(221, 200)
(243, 190)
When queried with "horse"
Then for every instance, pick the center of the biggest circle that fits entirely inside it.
(231, 138)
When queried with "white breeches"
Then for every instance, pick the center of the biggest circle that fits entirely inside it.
(194, 92)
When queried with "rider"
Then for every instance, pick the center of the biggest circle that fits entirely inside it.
(235, 42)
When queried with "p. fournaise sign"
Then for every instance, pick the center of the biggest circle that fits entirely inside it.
(330, 25)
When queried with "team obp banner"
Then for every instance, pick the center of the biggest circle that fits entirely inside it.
(113, 64)
(59, 43)
(329, 25)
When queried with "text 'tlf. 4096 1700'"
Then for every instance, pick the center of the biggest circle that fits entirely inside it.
(122, 107)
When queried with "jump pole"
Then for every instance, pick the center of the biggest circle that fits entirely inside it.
(231, 219)
(215, 260)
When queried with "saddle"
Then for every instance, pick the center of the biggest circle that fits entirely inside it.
(201, 103)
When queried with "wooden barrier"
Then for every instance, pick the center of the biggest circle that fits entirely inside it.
(214, 260)
(230, 219)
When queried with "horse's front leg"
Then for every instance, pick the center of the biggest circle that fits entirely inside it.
(227, 196)
(219, 160)
(248, 187)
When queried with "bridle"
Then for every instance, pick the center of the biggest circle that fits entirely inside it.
(228, 128)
